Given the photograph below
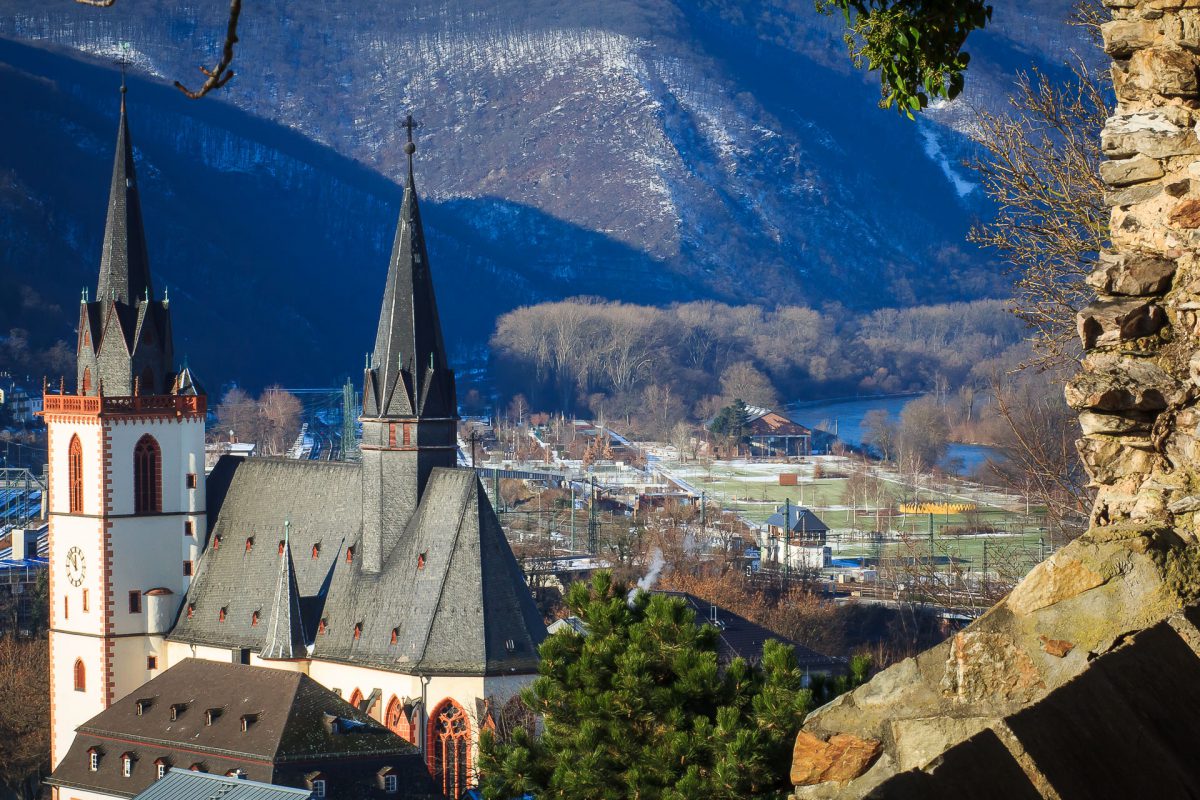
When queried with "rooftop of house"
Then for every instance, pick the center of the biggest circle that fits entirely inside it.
(768, 422)
(801, 519)
(183, 784)
(740, 638)
(737, 636)
(224, 718)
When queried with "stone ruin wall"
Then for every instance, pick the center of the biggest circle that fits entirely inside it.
(1138, 389)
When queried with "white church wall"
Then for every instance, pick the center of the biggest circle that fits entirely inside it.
(70, 708)
(83, 794)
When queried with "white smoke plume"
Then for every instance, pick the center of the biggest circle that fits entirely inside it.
(646, 582)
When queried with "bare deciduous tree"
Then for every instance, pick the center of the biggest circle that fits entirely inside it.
(1041, 167)
(24, 714)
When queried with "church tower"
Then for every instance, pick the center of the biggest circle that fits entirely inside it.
(410, 411)
(126, 479)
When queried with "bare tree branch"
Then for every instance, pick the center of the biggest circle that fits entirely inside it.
(219, 75)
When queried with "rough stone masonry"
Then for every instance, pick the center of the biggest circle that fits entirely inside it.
(997, 702)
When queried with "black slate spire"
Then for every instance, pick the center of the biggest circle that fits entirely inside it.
(410, 413)
(124, 343)
(409, 375)
(124, 265)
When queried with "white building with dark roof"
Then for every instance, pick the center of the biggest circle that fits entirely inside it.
(389, 582)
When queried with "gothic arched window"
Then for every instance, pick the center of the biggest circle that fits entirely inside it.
(398, 722)
(80, 676)
(448, 748)
(147, 476)
(75, 476)
(86, 385)
(356, 698)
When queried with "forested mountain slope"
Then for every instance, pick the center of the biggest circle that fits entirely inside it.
(648, 151)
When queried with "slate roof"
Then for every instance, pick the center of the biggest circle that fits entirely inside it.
(450, 599)
(767, 422)
(741, 638)
(409, 374)
(294, 724)
(801, 518)
(183, 784)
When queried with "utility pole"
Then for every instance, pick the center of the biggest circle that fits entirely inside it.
(787, 536)
(985, 570)
(572, 485)
(593, 523)
(703, 511)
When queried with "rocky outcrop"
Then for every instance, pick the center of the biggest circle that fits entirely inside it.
(1071, 610)
(1039, 696)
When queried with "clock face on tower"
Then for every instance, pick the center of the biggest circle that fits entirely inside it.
(75, 566)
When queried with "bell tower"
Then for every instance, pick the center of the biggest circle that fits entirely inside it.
(410, 411)
(126, 479)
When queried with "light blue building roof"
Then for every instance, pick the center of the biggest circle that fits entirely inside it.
(183, 784)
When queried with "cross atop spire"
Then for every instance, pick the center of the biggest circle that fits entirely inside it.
(410, 146)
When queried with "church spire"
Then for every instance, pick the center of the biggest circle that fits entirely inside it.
(408, 374)
(124, 264)
(124, 333)
(285, 630)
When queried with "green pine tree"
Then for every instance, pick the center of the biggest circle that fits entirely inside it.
(639, 709)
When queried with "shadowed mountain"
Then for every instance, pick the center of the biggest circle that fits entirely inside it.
(273, 248)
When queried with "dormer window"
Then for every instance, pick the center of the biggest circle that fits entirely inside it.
(316, 550)
(93, 759)
(249, 543)
(217, 541)
(248, 720)
(420, 561)
(387, 780)
(126, 765)
(395, 634)
(358, 630)
(161, 766)
(349, 555)
(282, 544)
(321, 626)
(191, 610)
(254, 618)
(221, 614)
(140, 706)
(210, 715)
(197, 767)
(177, 709)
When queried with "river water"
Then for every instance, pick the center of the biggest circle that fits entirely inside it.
(845, 417)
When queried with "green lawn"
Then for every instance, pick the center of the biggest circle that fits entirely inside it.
(754, 492)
